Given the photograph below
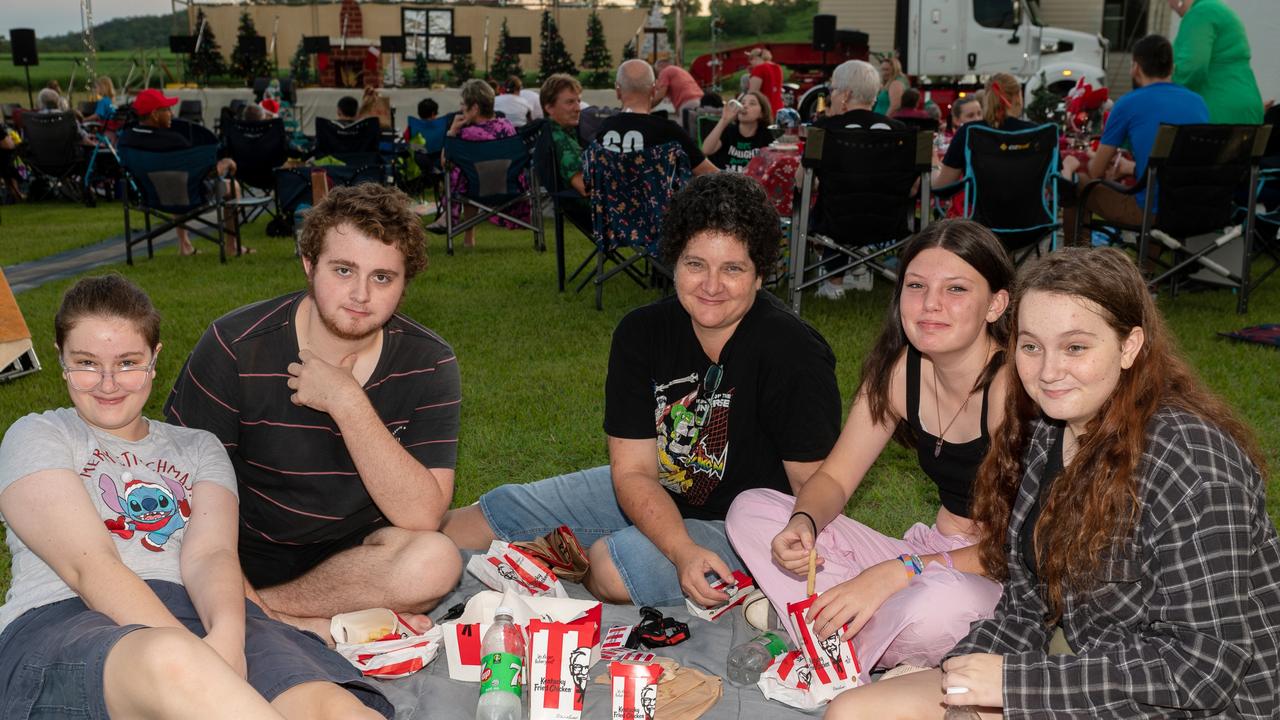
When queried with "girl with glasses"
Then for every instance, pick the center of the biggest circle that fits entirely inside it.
(127, 598)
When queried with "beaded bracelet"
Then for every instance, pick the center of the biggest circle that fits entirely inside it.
(912, 563)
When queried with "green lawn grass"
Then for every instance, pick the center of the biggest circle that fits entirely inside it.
(116, 63)
(533, 360)
(40, 229)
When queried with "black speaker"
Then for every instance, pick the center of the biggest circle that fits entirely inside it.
(315, 44)
(457, 44)
(522, 45)
(391, 44)
(22, 41)
(824, 32)
(182, 44)
(853, 40)
(254, 47)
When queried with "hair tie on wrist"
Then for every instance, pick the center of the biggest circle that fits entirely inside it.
(812, 522)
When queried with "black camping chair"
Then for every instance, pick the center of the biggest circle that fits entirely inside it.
(51, 147)
(293, 186)
(354, 144)
(589, 121)
(1011, 185)
(258, 147)
(566, 203)
(865, 206)
(493, 170)
(192, 111)
(630, 194)
(1196, 176)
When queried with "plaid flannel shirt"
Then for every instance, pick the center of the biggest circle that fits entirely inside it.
(1185, 621)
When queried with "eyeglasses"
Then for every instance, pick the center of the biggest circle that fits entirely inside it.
(710, 383)
(129, 378)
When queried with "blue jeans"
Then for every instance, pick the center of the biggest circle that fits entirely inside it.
(585, 501)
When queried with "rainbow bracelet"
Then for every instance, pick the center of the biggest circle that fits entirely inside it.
(912, 563)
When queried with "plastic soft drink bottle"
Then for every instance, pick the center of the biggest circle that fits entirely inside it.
(501, 670)
(749, 659)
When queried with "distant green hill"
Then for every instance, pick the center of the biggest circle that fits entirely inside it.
(131, 33)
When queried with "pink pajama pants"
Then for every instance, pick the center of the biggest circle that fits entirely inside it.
(916, 625)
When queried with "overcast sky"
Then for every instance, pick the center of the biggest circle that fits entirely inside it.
(56, 17)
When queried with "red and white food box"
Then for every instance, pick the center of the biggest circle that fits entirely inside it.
(379, 643)
(634, 690)
(559, 668)
(738, 587)
(834, 661)
(462, 637)
(505, 567)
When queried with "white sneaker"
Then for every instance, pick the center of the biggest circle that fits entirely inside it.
(830, 291)
(859, 278)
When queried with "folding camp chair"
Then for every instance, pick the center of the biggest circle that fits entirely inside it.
(192, 111)
(180, 188)
(493, 170)
(629, 194)
(566, 203)
(354, 144)
(258, 148)
(865, 206)
(1196, 175)
(589, 121)
(427, 155)
(51, 147)
(293, 186)
(1011, 185)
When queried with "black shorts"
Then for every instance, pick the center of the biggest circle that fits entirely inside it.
(266, 564)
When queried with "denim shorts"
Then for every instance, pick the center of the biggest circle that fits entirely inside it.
(585, 501)
(52, 658)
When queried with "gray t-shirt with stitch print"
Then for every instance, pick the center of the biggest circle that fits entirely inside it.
(142, 491)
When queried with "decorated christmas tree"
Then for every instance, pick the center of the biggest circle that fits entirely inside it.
(463, 67)
(421, 73)
(554, 57)
(300, 66)
(505, 63)
(596, 58)
(246, 62)
(206, 61)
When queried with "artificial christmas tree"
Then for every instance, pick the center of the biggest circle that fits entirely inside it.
(596, 58)
(206, 61)
(505, 63)
(246, 62)
(300, 66)
(554, 56)
(421, 73)
(463, 68)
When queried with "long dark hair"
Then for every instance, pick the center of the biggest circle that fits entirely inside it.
(1094, 503)
(982, 250)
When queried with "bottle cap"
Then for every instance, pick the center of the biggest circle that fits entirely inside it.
(502, 611)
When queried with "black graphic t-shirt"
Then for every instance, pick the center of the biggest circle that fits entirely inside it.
(736, 151)
(722, 428)
(629, 132)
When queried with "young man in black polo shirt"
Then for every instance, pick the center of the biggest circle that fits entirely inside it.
(634, 129)
(341, 419)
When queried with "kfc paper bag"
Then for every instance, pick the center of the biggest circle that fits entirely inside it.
(506, 567)
(742, 587)
(787, 680)
(462, 637)
(379, 643)
(559, 665)
(834, 662)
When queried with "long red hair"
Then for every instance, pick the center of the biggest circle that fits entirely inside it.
(1094, 503)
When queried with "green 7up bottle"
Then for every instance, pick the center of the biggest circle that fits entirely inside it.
(501, 669)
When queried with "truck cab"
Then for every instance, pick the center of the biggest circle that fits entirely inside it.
(954, 38)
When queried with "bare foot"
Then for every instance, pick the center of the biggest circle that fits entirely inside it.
(418, 623)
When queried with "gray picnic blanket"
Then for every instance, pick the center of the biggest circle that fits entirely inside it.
(430, 693)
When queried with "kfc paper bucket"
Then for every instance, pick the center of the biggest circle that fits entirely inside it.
(462, 637)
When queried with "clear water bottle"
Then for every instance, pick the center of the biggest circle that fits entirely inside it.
(749, 659)
(501, 670)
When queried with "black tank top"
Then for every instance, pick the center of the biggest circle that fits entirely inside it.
(956, 466)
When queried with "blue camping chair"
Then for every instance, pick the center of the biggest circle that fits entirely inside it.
(493, 170)
(427, 157)
(1011, 185)
(630, 194)
(180, 188)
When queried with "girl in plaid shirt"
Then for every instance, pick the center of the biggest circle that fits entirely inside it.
(1125, 508)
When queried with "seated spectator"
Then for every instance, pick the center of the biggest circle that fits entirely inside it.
(376, 106)
(532, 98)
(428, 109)
(674, 83)
(854, 84)
(134, 605)
(105, 109)
(56, 89)
(154, 132)
(742, 130)
(964, 110)
(1001, 109)
(348, 108)
(910, 107)
(475, 122)
(1133, 122)
(253, 112)
(634, 129)
(8, 160)
(743, 393)
(560, 99)
(511, 104)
